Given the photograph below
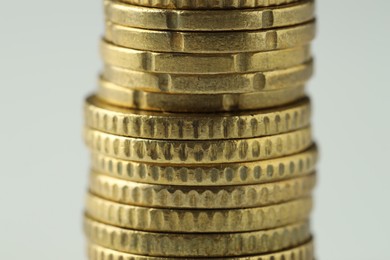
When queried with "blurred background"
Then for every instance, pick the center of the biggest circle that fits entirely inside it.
(49, 61)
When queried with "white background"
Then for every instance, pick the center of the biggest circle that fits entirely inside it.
(49, 62)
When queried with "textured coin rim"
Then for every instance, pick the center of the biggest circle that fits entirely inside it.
(177, 126)
(196, 245)
(210, 42)
(303, 252)
(196, 151)
(246, 173)
(125, 97)
(209, 84)
(162, 62)
(212, 20)
(197, 220)
(208, 4)
(200, 197)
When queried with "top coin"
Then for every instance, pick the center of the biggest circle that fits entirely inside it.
(213, 20)
(208, 4)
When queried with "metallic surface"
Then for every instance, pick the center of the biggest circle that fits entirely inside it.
(210, 42)
(177, 126)
(199, 152)
(197, 220)
(208, 4)
(187, 197)
(246, 173)
(218, 20)
(196, 245)
(200, 133)
(209, 84)
(192, 103)
(304, 251)
(211, 63)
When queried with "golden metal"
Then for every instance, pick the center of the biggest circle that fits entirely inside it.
(217, 20)
(209, 84)
(177, 126)
(210, 42)
(199, 152)
(196, 245)
(246, 173)
(186, 197)
(200, 132)
(196, 103)
(208, 4)
(196, 220)
(182, 63)
(301, 252)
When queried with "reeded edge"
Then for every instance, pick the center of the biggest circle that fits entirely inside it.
(301, 252)
(196, 245)
(104, 117)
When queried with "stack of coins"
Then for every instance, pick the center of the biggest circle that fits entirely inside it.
(200, 132)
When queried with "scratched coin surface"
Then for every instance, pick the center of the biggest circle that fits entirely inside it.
(221, 197)
(217, 20)
(197, 245)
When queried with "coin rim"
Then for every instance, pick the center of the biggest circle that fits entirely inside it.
(197, 220)
(212, 20)
(235, 83)
(222, 244)
(200, 197)
(210, 42)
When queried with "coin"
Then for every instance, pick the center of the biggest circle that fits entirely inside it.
(301, 252)
(198, 152)
(196, 245)
(195, 220)
(221, 197)
(210, 42)
(208, 4)
(177, 126)
(125, 97)
(212, 20)
(181, 63)
(209, 84)
(245, 173)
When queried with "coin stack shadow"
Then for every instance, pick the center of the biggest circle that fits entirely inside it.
(200, 132)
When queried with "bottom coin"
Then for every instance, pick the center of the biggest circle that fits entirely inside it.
(125, 97)
(302, 252)
(197, 245)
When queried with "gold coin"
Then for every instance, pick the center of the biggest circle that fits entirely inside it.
(193, 103)
(158, 125)
(221, 197)
(212, 20)
(301, 252)
(209, 84)
(199, 152)
(181, 63)
(208, 4)
(246, 173)
(197, 221)
(196, 245)
(210, 42)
